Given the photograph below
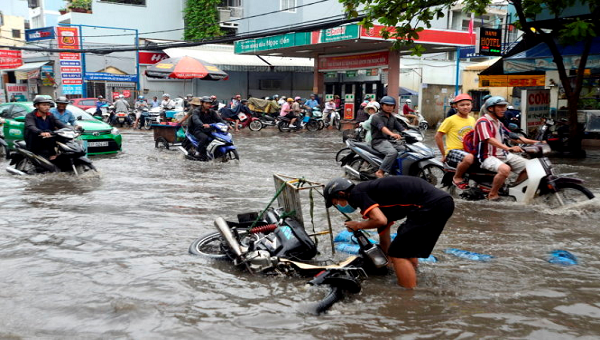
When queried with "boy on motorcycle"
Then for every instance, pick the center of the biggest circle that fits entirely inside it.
(382, 126)
(39, 124)
(455, 127)
(493, 154)
(286, 111)
(386, 200)
(199, 125)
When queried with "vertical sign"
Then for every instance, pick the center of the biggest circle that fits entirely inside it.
(70, 63)
(349, 107)
(534, 104)
(489, 41)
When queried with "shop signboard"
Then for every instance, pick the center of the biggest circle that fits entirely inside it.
(535, 104)
(35, 34)
(346, 32)
(442, 37)
(373, 72)
(72, 89)
(47, 75)
(68, 37)
(103, 76)
(151, 58)
(19, 91)
(126, 93)
(353, 61)
(10, 59)
(273, 42)
(489, 42)
(331, 75)
(115, 95)
(350, 74)
(511, 80)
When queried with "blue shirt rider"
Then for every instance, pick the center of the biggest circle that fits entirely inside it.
(61, 112)
(312, 102)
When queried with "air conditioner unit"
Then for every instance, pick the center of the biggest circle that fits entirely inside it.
(224, 14)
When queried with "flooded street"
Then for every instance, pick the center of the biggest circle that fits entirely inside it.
(107, 256)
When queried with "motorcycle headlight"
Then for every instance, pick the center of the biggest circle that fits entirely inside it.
(115, 131)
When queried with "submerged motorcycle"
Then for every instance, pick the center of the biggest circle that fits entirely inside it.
(70, 157)
(543, 184)
(274, 244)
(220, 146)
(415, 159)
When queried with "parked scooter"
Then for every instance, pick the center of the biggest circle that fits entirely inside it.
(280, 245)
(220, 146)
(415, 159)
(70, 157)
(422, 123)
(542, 183)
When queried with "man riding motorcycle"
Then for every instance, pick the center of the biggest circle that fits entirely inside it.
(39, 124)
(199, 125)
(383, 125)
(121, 106)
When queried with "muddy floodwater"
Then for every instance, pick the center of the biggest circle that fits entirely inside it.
(106, 256)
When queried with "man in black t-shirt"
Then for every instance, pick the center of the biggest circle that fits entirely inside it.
(386, 200)
(383, 125)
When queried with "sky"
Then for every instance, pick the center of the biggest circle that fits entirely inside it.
(15, 7)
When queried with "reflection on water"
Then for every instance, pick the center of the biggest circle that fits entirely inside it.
(106, 256)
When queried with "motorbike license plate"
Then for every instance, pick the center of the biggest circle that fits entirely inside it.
(96, 144)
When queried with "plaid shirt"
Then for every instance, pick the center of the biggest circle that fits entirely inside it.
(486, 128)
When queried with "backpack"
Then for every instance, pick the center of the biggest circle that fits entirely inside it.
(468, 140)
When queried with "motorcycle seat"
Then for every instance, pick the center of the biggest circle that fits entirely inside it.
(367, 147)
(21, 144)
(473, 169)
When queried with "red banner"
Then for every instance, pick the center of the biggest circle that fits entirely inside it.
(354, 61)
(68, 37)
(426, 36)
(151, 58)
(349, 111)
(10, 59)
(69, 56)
(72, 81)
(70, 69)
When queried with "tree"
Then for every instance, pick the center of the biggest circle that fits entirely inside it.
(201, 19)
(410, 17)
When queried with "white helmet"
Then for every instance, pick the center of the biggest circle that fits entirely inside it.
(121, 96)
(408, 101)
(372, 105)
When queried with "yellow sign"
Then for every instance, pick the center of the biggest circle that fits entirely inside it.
(163, 65)
(511, 80)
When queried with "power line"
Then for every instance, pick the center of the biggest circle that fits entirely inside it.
(317, 24)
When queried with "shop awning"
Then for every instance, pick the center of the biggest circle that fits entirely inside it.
(228, 61)
(28, 66)
(539, 58)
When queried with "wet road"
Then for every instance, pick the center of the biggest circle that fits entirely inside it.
(106, 256)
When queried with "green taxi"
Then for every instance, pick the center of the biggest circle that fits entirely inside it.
(98, 137)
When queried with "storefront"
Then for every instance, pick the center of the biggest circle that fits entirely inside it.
(351, 61)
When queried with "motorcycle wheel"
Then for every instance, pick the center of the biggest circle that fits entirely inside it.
(148, 124)
(366, 170)
(337, 124)
(423, 126)
(4, 152)
(255, 125)
(26, 166)
(83, 168)
(341, 154)
(231, 155)
(568, 193)
(208, 246)
(161, 142)
(312, 126)
(433, 174)
(283, 126)
(321, 124)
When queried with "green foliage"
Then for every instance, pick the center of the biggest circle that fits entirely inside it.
(83, 4)
(201, 19)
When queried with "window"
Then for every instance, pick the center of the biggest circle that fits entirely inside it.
(288, 6)
(127, 2)
(4, 110)
(230, 3)
(89, 102)
(16, 34)
(18, 111)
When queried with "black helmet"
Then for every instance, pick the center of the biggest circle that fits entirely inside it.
(388, 101)
(206, 99)
(493, 101)
(41, 99)
(62, 100)
(243, 101)
(333, 188)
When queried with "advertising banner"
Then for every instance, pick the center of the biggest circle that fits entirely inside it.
(10, 59)
(102, 76)
(48, 75)
(151, 58)
(534, 104)
(19, 91)
(68, 37)
(353, 61)
(72, 89)
(36, 34)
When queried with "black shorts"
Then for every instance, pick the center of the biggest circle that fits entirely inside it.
(419, 233)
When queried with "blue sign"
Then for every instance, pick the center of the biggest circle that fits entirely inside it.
(102, 76)
(71, 75)
(70, 63)
(72, 89)
(469, 52)
(36, 34)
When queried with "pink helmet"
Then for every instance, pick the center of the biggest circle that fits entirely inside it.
(461, 97)
(297, 98)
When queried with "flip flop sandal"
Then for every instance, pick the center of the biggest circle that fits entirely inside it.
(464, 185)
